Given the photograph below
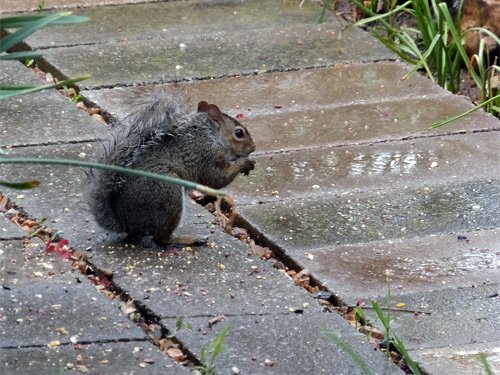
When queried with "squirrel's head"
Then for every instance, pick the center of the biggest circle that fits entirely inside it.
(232, 132)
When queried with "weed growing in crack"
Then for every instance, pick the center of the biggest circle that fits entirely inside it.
(211, 351)
(393, 342)
(180, 323)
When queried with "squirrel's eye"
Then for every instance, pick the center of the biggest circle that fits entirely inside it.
(239, 133)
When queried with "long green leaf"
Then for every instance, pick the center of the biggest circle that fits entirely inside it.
(423, 59)
(20, 185)
(24, 21)
(379, 17)
(114, 168)
(21, 55)
(8, 91)
(21, 34)
(448, 120)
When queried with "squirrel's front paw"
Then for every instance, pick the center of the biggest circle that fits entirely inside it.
(248, 166)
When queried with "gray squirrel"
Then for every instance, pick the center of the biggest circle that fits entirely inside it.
(161, 135)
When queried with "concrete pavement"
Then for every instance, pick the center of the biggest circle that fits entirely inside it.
(348, 184)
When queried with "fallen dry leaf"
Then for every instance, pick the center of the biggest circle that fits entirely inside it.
(215, 320)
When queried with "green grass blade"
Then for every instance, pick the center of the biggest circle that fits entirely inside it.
(24, 21)
(423, 60)
(457, 38)
(20, 185)
(114, 168)
(379, 17)
(11, 40)
(21, 55)
(451, 119)
(406, 356)
(484, 361)
(8, 91)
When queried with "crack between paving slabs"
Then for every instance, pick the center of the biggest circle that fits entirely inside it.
(145, 320)
(331, 302)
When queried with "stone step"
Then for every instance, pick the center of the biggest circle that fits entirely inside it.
(337, 171)
(415, 265)
(42, 118)
(174, 19)
(288, 344)
(135, 62)
(303, 224)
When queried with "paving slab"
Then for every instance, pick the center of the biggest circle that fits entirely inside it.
(302, 224)
(62, 193)
(168, 62)
(459, 360)
(207, 281)
(358, 271)
(291, 344)
(46, 117)
(167, 20)
(43, 302)
(345, 104)
(32, 5)
(8, 230)
(340, 170)
(283, 92)
(127, 358)
(461, 316)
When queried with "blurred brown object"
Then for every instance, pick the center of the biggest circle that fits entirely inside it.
(481, 13)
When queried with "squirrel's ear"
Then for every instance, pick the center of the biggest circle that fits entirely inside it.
(214, 113)
(202, 106)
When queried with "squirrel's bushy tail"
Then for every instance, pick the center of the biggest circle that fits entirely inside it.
(152, 114)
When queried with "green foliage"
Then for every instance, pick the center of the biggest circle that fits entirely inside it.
(436, 45)
(180, 323)
(211, 351)
(20, 185)
(342, 344)
(484, 361)
(27, 25)
(395, 342)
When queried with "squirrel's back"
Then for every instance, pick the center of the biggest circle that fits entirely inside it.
(152, 115)
(162, 135)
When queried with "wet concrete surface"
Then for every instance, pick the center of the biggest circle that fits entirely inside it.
(41, 295)
(353, 189)
(132, 357)
(363, 270)
(42, 118)
(303, 224)
(340, 170)
(288, 344)
(168, 62)
(462, 360)
(457, 316)
(170, 20)
(222, 278)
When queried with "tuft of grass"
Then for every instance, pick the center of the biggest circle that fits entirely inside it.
(211, 351)
(393, 341)
(180, 324)
(436, 45)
